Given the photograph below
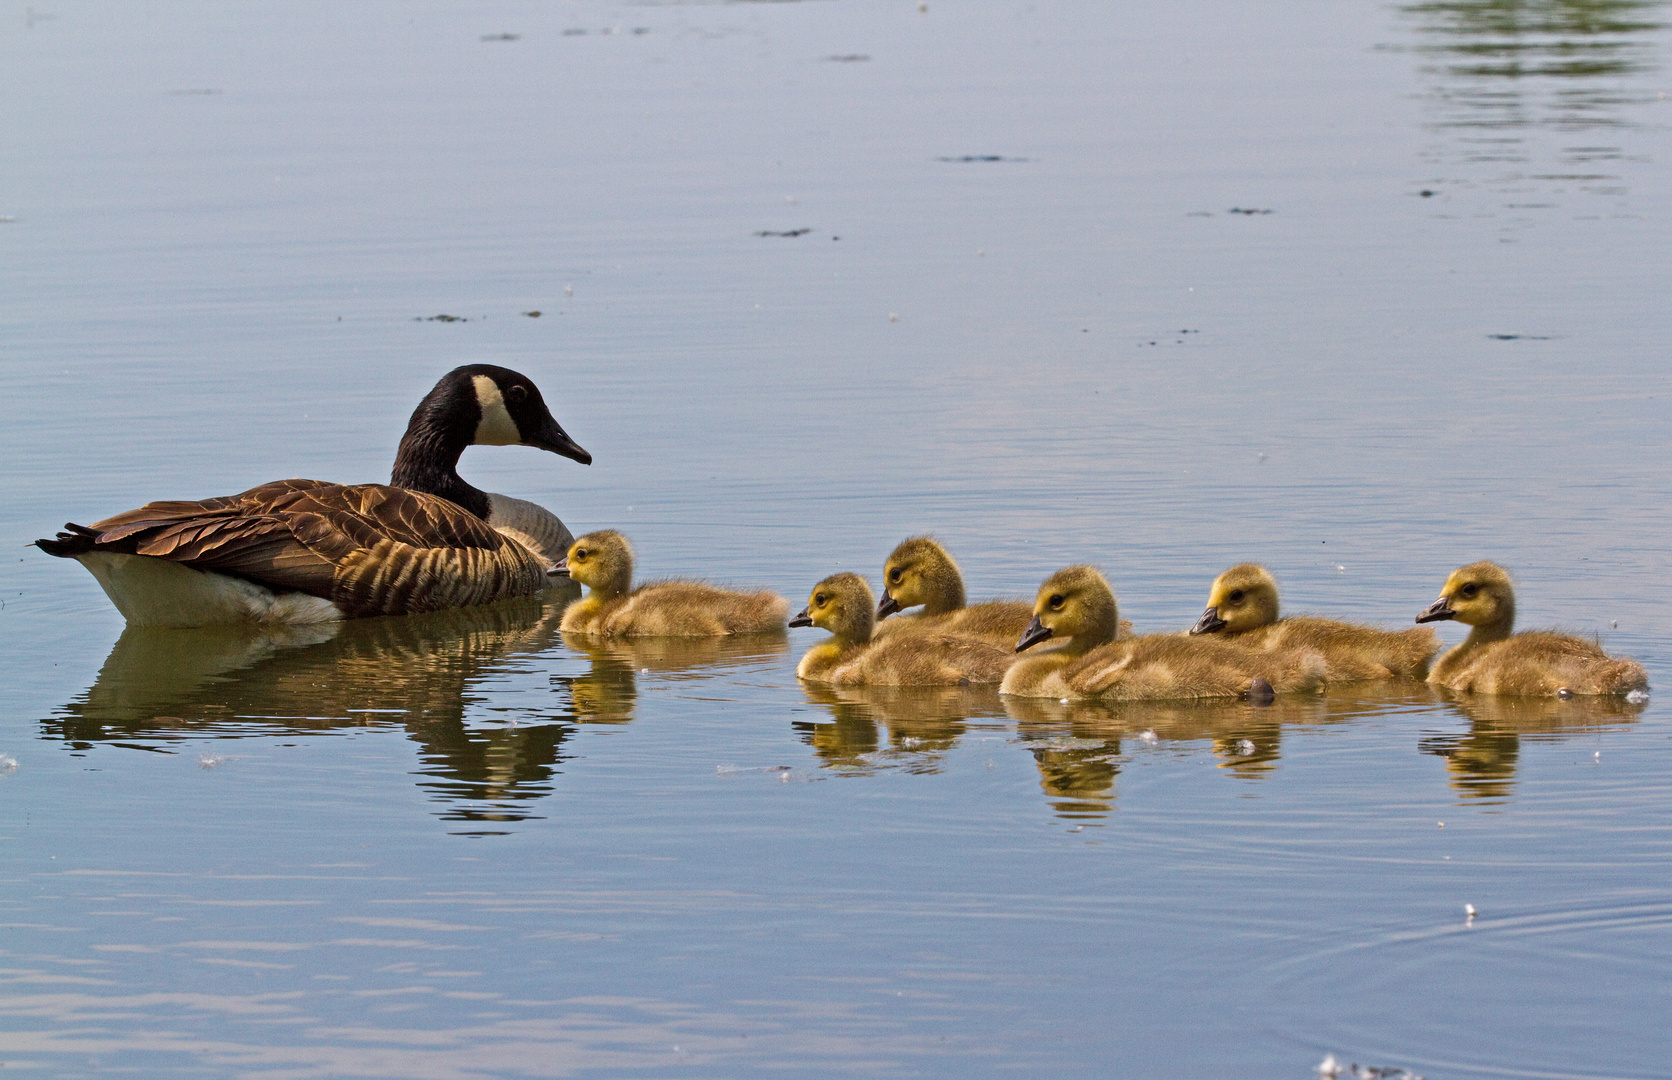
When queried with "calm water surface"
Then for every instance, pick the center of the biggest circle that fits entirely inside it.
(1362, 291)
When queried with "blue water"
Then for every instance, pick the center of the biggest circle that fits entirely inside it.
(460, 846)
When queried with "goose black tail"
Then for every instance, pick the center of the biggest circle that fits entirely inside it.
(78, 541)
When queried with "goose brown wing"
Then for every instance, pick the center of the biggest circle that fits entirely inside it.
(232, 534)
(300, 535)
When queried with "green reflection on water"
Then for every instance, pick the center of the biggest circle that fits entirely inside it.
(1562, 39)
(1506, 68)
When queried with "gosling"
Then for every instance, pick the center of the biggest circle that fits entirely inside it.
(1493, 660)
(603, 562)
(1242, 607)
(921, 572)
(843, 604)
(1077, 606)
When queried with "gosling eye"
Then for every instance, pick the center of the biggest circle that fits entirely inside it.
(1469, 591)
(580, 553)
(819, 600)
(1055, 602)
(895, 576)
(1235, 597)
(516, 395)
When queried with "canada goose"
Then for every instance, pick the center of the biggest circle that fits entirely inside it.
(921, 571)
(843, 605)
(603, 562)
(1076, 604)
(1492, 660)
(1242, 607)
(305, 551)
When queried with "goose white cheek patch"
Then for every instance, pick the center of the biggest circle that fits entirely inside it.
(496, 428)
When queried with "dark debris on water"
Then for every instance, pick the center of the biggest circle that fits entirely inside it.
(786, 232)
(440, 318)
(980, 157)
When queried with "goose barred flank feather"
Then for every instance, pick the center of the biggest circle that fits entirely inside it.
(368, 548)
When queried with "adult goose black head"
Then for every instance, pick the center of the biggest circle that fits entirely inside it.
(475, 405)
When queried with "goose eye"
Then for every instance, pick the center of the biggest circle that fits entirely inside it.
(580, 554)
(895, 576)
(818, 601)
(1469, 591)
(1056, 602)
(1235, 597)
(516, 395)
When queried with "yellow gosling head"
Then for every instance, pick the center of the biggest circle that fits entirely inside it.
(1075, 604)
(843, 605)
(1479, 595)
(602, 561)
(920, 572)
(1242, 598)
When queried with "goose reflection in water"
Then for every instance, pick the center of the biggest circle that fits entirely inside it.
(424, 673)
(607, 692)
(922, 722)
(1482, 760)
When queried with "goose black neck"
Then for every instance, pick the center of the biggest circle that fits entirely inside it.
(428, 461)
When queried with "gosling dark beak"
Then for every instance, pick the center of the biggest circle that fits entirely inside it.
(802, 618)
(1208, 623)
(560, 570)
(1436, 611)
(1033, 635)
(554, 438)
(887, 605)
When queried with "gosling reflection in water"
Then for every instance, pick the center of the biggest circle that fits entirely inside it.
(1482, 760)
(608, 691)
(923, 723)
(1078, 745)
(416, 672)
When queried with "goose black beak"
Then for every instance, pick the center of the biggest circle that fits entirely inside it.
(1208, 623)
(1033, 635)
(1437, 611)
(802, 618)
(560, 570)
(552, 437)
(887, 605)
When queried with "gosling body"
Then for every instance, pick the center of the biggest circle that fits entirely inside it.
(844, 605)
(1494, 659)
(603, 562)
(1243, 607)
(1077, 607)
(921, 572)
